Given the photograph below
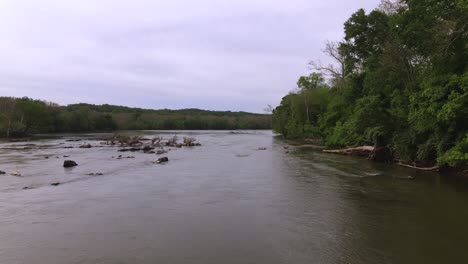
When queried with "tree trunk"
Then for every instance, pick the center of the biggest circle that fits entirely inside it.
(8, 128)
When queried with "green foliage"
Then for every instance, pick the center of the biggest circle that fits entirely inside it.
(406, 86)
(313, 81)
(299, 113)
(457, 156)
(22, 116)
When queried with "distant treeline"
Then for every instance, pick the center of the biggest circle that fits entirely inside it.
(399, 82)
(24, 116)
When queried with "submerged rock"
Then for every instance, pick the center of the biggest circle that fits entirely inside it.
(159, 152)
(128, 157)
(2, 172)
(16, 173)
(147, 148)
(95, 174)
(69, 163)
(130, 149)
(405, 177)
(86, 146)
(55, 184)
(262, 148)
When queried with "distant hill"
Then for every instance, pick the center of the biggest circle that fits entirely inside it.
(22, 116)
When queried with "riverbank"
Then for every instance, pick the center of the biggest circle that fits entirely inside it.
(249, 205)
(377, 154)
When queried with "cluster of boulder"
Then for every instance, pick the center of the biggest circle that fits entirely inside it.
(146, 145)
(145, 149)
(135, 142)
(130, 144)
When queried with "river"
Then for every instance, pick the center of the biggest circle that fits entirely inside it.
(226, 202)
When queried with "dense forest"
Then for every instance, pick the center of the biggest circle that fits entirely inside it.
(25, 116)
(399, 81)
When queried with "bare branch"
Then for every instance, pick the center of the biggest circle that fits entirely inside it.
(337, 74)
(268, 109)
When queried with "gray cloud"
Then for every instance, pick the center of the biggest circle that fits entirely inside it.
(223, 55)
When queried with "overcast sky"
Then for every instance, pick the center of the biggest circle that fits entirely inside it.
(210, 54)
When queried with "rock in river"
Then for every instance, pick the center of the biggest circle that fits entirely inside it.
(147, 148)
(69, 163)
(163, 159)
(2, 172)
(16, 173)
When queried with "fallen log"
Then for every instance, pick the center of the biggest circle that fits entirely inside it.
(435, 168)
(363, 151)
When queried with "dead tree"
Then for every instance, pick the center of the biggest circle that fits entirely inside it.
(337, 73)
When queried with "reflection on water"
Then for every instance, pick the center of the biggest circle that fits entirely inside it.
(224, 202)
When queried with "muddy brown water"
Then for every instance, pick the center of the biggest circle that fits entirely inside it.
(224, 202)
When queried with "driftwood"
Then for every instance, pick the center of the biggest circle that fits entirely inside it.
(382, 154)
(435, 168)
(364, 151)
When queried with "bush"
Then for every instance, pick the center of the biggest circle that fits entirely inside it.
(457, 156)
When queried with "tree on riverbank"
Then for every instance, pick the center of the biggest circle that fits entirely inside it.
(23, 116)
(405, 85)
